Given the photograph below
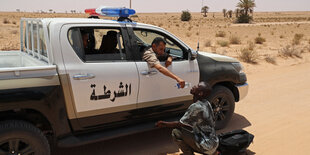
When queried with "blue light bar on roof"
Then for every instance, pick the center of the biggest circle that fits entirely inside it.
(111, 11)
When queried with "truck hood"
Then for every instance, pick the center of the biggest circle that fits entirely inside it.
(218, 57)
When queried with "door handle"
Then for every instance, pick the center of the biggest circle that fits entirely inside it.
(83, 76)
(153, 72)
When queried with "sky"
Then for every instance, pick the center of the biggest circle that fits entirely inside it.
(145, 6)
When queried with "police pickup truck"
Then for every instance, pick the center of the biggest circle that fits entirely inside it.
(62, 89)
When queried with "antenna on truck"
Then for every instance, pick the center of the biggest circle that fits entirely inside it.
(199, 29)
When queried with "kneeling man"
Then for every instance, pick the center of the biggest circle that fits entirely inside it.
(195, 131)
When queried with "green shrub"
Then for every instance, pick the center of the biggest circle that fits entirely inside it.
(243, 18)
(186, 16)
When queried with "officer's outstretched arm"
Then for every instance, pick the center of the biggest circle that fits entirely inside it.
(166, 72)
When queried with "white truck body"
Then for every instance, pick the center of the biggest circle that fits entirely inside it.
(80, 97)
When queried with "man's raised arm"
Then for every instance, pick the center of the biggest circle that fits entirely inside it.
(166, 72)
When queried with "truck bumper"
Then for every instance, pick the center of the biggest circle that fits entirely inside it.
(243, 90)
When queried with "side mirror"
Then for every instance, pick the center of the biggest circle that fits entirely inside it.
(192, 54)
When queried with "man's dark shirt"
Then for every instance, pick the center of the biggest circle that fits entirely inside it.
(200, 117)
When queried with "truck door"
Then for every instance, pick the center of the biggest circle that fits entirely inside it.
(104, 82)
(159, 94)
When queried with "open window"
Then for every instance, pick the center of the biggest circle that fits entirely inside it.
(97, 44)
(145, 38)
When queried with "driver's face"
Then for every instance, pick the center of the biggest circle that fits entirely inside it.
(85, 40)
(159, 49)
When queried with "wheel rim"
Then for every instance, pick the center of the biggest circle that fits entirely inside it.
(16, 146)
(220, 107)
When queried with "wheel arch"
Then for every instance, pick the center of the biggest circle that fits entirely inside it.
(231, 87)
(29, 115)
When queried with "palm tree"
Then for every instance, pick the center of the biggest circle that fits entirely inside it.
(230, 12)
(246, 6)
(224, 12)
(237, 12)
(205, 10)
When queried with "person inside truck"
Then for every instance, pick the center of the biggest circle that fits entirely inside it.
(157, 51)
(88, 41)
(109, 43)
(195, 131)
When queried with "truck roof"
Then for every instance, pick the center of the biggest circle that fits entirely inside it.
(89, 20)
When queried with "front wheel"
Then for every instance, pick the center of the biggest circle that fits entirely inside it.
(20, 137)
(223, 104)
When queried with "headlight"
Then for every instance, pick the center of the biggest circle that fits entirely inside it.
(238, 66)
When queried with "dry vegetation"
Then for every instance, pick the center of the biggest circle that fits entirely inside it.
(290, 51)
(234, 40)
(260, 40)
(270, 59)
(266, 40)
(220, 34)
(208, 43)
(297, 39)
(248, 56)
(223, 43)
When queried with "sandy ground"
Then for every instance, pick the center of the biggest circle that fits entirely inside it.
(276, 108)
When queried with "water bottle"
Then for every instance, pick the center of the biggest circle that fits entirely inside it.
(187, 85)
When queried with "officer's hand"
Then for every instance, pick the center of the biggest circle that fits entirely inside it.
(168, 61)
(160, 124)
(181, 83)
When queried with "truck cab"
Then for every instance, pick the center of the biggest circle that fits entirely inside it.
(118, 84)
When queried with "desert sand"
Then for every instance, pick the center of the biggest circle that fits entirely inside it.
(276, 108)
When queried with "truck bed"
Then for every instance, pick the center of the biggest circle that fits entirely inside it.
(11, 59)
(19, 69)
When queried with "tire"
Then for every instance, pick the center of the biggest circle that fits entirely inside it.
(20, 137)
(223, 104)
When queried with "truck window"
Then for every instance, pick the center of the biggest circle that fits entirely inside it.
(97, 44)
(145, 38)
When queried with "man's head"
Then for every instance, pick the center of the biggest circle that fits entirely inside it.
(85, 37)
(111, 39)
(201, 91)
(159, 45)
